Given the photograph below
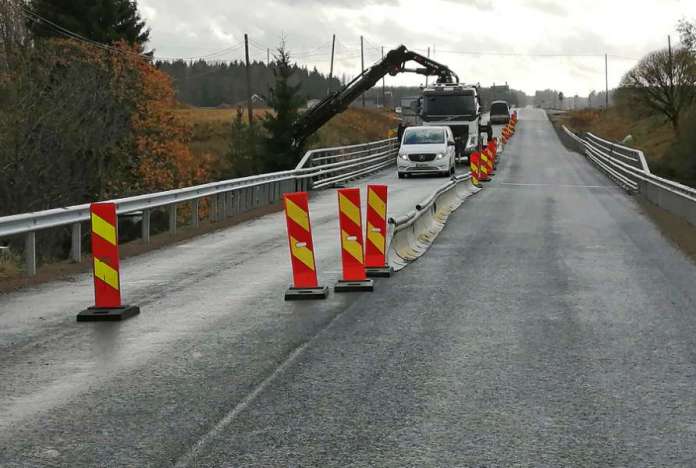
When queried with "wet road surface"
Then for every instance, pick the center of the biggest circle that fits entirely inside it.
(549, 325)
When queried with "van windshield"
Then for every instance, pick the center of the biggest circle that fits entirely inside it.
(499, 108)
(424, 136)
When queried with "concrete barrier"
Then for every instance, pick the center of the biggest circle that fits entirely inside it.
(412, 234)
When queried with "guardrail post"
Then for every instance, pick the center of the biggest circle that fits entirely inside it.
(229, 204)
(172, 219)
(221, 207)
(212, 209)
(76, 243)
(30, 253)
(145, 226)
(194, 212)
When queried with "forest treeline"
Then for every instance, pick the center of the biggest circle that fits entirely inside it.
(215, 84)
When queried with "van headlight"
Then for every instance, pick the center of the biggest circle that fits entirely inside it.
(440, 155)
(403, 156)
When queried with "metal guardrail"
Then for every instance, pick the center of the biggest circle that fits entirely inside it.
(412, 233)
(345, 163)
(631, 156)
(676, 198)
(318, 168)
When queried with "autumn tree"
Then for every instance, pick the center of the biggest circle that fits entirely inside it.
(663, 82)
(279, 147)
(687, 32)
(104, 21)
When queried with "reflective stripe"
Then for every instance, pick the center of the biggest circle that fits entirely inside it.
(302, 253)
(297, 214)
(349, 209)
(104, 229)
(377, 204)
(353, 247)
(105, 273)
(375, 236)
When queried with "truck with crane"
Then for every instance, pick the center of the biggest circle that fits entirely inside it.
(447, 102)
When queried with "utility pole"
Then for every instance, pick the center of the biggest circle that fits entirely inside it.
(268, 57)
(606, 81)
(333, 48)
(248, 80)
(426, 76)
(384, 102)
(362, 66)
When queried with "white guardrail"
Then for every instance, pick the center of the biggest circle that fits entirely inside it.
(318, 169)
(628, 168)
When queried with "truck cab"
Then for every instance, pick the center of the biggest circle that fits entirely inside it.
(458, 107)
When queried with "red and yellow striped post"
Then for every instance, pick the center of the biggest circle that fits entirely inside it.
(492, 151)
(376, 232)
(474, 162)
(304, 268)
(506, 135)
(489, 161)
(484, 168)
(105, 266)
(352, 255)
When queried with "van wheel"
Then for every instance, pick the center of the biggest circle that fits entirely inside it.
(401, 175)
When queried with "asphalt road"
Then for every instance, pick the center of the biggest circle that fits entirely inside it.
(549, 325)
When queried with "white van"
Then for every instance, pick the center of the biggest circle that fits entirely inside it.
(426, 150)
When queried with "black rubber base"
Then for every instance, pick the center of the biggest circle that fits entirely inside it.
(378, 272)
(108, 315)
(354, 286)
(301, 294)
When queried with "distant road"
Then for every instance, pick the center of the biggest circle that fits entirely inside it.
(549, 325)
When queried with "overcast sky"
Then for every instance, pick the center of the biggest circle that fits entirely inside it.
(484, 41)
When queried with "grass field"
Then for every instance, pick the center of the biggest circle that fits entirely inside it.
(651, 135)
(212, 128)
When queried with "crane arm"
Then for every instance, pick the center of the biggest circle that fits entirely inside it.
(392, 63)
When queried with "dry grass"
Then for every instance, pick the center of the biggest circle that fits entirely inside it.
(212, 128)
(9, 264)
(651, 135)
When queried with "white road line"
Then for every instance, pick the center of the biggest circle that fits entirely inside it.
(193, 452)
(556, 185)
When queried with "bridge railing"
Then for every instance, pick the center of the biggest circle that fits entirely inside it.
(345, 163)
(318, 169)
(635, 175)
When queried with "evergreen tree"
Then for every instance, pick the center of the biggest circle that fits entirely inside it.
(242, 156)
(284, 99)
(104, 21)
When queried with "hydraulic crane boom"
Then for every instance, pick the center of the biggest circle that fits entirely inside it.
(394, 62)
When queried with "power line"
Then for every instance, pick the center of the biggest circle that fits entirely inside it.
(33, 16)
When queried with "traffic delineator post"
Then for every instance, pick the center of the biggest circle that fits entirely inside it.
(489, 161)
(305, 284)
(484, 167)
(352, 252)
(376, 232)
(474, 162)
(106, 268)
(493, 152)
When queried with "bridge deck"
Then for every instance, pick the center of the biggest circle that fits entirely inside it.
(550, 324)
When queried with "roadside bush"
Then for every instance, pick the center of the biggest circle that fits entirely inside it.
(680, 161)
(80, 124)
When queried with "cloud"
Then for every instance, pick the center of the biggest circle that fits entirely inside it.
(549, 7)
(459, 32)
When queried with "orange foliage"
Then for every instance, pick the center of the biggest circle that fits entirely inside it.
(161, 139)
